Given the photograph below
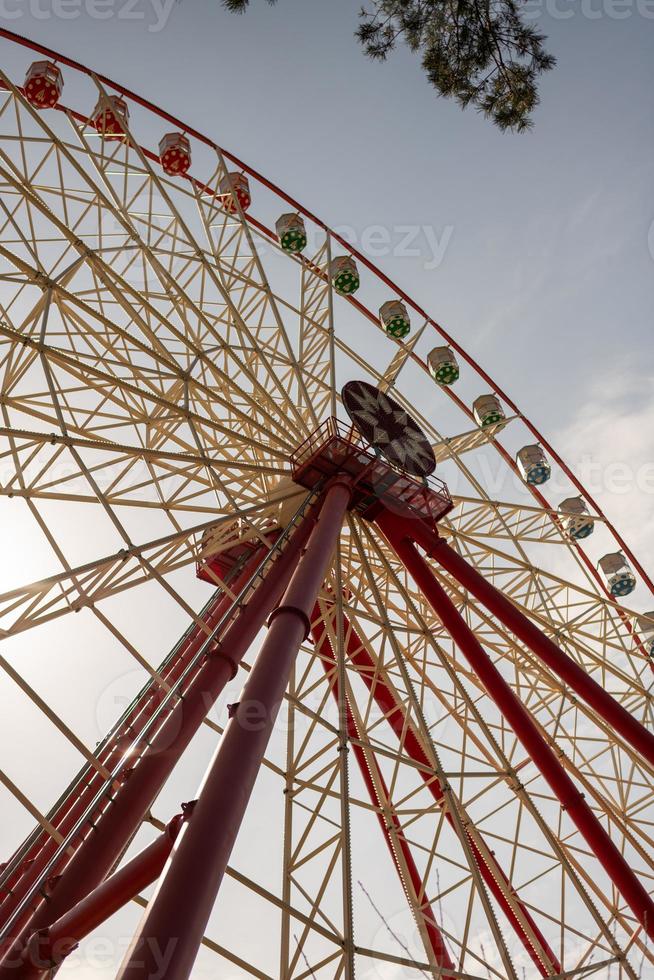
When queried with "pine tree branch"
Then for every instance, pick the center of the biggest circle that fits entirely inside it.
(479, 52)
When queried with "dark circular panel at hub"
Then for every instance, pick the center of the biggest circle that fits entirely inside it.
(389, 428)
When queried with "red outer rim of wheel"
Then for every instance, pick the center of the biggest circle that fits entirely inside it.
(190, 131)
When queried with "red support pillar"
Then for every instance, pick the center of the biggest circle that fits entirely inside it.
(49, 947)
(437, 943)
(177, 915)
(75, 803)
(517, 913)
(567, 669)
(520, 720)
(132, 800)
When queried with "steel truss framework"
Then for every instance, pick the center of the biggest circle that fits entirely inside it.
(161, 359)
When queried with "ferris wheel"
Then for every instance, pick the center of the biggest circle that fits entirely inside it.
(217, 416)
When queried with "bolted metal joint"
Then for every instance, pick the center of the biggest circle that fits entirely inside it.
(296, 611)
(216, 651)
(41, 954)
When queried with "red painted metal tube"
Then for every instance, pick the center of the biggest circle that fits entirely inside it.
(72, 807)
(173, 926)
(437, 943)
(567, 669)
(494, 877)
(48, 948)
(75, 806)
(133, 798)
(520, 720)
(115, 746)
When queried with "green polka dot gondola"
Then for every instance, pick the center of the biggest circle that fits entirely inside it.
(447, 374)
(398, 327)
(346, 283)
(491, 419)
(294, 241)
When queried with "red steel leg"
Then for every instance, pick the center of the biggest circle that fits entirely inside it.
(82, 794)
(106, 842)
(568, 670)
(517, 913)
(520, 720)
(177, 915)
(414, 887)
(48, 948)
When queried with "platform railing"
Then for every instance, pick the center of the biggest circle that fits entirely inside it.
(341, 443)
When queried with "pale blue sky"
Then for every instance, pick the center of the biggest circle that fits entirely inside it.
(546, 276)
(546, 270)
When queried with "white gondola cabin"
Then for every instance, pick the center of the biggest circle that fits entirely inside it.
(618, 574)
(533, 465)
(394, 318)
(646, 629)
(443, 365)
(487, 410)
(291, 233)
(576, 520)
(344, 275)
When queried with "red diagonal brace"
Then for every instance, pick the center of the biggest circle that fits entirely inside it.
(567, 669)
(76, 802)
(436, 940)
(48, 948)
(522, 921)
(398, 531)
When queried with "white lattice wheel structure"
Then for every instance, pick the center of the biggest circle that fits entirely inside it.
(162, 359)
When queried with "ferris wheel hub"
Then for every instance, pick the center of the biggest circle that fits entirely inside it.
(335, 449)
